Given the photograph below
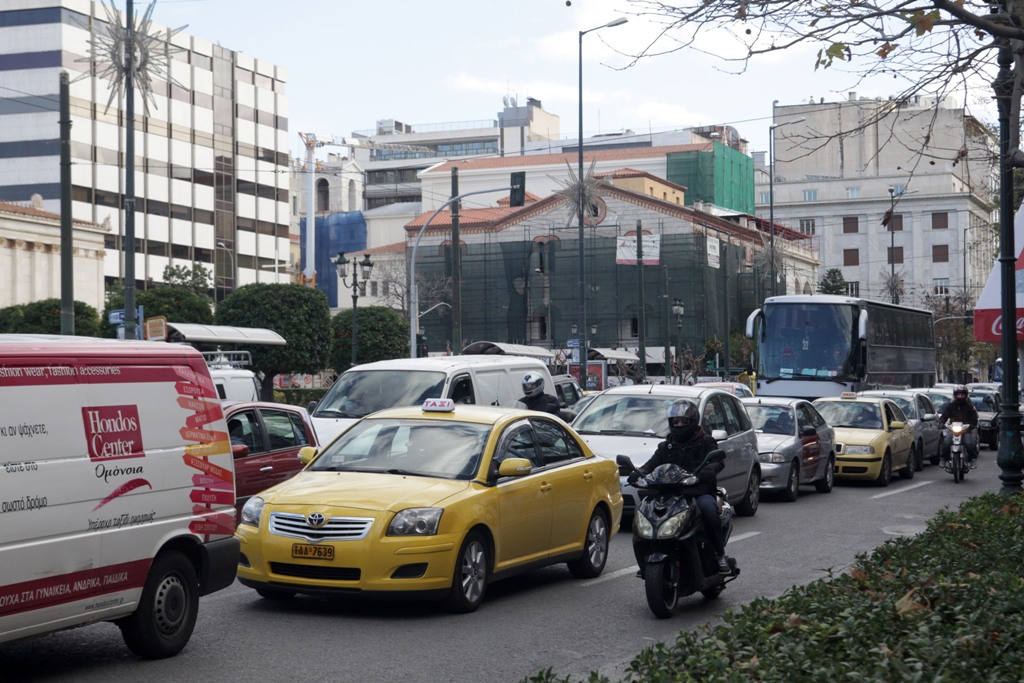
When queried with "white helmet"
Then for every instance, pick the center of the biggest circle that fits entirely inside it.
(533, 383)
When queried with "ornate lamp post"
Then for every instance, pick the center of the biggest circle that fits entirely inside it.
(581, 201)
(678, 309)
(358, 288)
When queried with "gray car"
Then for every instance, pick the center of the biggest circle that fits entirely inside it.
(923, 414)
(794, 445)
(633, 420)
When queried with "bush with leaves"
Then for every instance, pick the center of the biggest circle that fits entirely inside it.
(945, 605)
(382, 333)
(43, 317)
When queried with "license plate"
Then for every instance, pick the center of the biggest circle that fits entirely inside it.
(313, 552)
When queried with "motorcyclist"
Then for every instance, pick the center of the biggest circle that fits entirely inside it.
(960, 409)
(534, 397)
(686, 446)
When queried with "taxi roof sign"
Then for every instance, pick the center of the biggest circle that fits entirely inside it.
(438, 405)
(848, 394)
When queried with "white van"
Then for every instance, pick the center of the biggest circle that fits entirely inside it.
(231, 379)
(365, 389)
(116, 489)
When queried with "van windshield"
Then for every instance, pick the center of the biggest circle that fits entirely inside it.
(360, 392)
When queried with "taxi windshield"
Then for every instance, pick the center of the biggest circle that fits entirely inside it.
(358, 393)
(418, 447)
(855, 415)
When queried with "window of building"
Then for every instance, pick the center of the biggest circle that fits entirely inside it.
(807, 226)
(810, 195)
(896, 222)
(940, 253)
(940, 285)
(851, 257)
(765, 198)
(853, 193)
(895, 255)
(323, 193)
(851, 224)
(853, 289)
(940, 220)
(373, 288)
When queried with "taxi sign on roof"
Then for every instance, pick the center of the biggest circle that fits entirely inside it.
(438, 405)
(848, 394)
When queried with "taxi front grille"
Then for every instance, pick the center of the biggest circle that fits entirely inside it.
(318, 572)
(334, 529)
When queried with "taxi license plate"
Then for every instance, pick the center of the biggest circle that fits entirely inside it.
(313, 552)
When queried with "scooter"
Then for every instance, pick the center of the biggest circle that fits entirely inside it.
(958, 465)
(668, 536)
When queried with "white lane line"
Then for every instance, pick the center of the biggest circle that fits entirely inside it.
(629, 571)
(902, 489)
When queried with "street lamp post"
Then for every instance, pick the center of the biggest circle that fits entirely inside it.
(231, 255)
(358, 288)
(581, 207)
(771, 196)
(677, 310)
(892, 245)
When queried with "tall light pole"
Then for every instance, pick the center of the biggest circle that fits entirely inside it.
(677, 310)
(581, 201)
(771, 195)
(892, 245)
(358, 288)
(232, 257)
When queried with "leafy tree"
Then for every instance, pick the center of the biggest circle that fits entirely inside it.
(832, 282)
(178, 305)
(932, 48)
(299, 314)
(11, 318)
(382, 334)
(43, 317)
(196, 279)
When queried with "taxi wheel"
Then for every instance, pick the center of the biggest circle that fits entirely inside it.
(792, 490)
(595, 549)
(469, 582)
(884, 471)
(163, 621)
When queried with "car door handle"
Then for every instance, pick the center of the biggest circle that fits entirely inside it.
(545, 487)
(266, 469)
(588, 475)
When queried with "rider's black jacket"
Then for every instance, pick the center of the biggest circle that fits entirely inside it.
(545, 403)
(959, 411)
(688, 454)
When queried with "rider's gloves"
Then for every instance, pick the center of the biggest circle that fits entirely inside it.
(633, 476)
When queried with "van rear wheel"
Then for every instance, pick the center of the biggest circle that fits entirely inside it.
(166, 615)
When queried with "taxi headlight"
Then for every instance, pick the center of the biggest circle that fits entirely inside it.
(415, 522)
(860, 450)
(771, 457)
(670, 527)
(642, 526)
(252, 511)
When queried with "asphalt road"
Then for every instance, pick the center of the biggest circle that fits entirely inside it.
(544, 619)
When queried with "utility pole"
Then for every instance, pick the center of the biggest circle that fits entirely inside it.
(640, 317)
(456, 268)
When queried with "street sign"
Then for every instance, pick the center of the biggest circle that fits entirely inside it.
(572, 343)
(116, 316)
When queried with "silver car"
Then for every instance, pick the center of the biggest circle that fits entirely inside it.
(633, 420)
(918, 408)
(794, 444)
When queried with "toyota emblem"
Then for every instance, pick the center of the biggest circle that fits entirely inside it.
(316, 519)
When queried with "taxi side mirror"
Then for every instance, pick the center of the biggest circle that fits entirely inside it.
(306, 454)
(514, 467)
(897, 424)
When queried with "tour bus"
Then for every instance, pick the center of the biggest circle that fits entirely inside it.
(815, 345)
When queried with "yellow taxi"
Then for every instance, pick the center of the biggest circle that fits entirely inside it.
(873, 437)
(433, 501)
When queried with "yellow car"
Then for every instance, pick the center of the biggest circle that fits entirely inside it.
(433, 501)
(873, 437)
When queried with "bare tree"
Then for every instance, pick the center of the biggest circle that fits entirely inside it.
(934, 48)
(433, 288)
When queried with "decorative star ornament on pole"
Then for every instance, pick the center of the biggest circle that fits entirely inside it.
(150, 54)
(571, 189)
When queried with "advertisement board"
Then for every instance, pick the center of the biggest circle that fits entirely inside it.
(597, 375)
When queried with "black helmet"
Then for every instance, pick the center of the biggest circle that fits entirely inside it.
(533, 383)
(959, 393)
(683, 418)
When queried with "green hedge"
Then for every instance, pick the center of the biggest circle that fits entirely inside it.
(298, 397)
(945, 605)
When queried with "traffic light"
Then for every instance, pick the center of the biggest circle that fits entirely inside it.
(518, 194)
(422, 349)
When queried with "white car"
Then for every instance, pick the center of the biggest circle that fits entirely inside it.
(633, 420)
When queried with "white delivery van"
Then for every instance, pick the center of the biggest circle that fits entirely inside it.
(116, 489)
(367, 388)
(231, 379)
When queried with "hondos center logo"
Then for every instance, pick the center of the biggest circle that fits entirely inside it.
(113, 432)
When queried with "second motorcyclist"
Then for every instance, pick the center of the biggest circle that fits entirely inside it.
(960, 409)
(686, 446)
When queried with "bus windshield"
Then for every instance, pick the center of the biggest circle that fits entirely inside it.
(808, 340)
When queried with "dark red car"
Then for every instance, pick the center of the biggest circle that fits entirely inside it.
(265, 439)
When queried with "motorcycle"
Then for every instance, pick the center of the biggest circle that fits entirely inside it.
(958, 464)
(668, 533)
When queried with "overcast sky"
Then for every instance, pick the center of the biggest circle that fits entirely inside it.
(432, 61)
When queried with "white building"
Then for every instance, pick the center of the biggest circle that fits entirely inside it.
(834, 167)
(212, 162)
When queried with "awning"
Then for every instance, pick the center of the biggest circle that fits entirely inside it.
(612, 354)
(482, 348)
(222, 334)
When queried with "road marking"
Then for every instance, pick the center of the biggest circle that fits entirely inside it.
(632, 570)
(902, 489)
